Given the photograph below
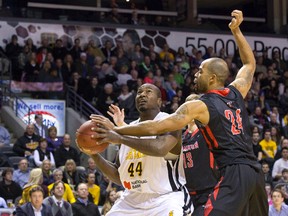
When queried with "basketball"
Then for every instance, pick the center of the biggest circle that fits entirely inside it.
(84, 141)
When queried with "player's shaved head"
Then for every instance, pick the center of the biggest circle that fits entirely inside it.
(218, 67)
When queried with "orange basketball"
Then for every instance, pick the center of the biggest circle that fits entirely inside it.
(84, 141)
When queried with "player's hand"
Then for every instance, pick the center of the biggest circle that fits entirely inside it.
(117, 115)
(104, 135)
(101, 120)
(236, 20)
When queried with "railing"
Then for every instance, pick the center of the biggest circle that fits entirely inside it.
(9, 98)
(75, 101)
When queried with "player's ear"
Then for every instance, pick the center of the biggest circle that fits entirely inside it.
(213, 78)
(159, 102)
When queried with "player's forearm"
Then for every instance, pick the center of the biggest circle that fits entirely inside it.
(108, 168)
(153, 147)
(146, 128)
(245, 50)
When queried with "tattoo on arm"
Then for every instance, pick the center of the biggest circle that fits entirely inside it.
(181, 112)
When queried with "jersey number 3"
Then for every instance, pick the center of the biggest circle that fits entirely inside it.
(236, 121)
(132, 169)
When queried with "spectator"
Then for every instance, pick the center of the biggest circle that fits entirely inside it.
(280, 164)
(40, 128)
(68, 67)
(137, 55)
(106, 99)
(41, 56)
(126, 100)
(59, 51)
(21, 175)
(123, 76)
(278, 208)
(284, 178)
(35, 206)
(44, 73)
(165, 54)
(42, 153)
(35, 179)
(68, 193)
(257, 149)
(71, 175)
(65, 152)
(109, 201)
(26, 144)
(29, 42)
(92, 92)
(9, 189)
(92, 169)
(105, 186)
(12, 51)
(266, 171)
(4, 61)
(83, 206)
(31, 69)
(268, 189)
(107, 50)
(129, 39)
(53, 141)
(47, 172)
(44, 45)
(284, 143)
(4, 136)
(58, 205)
(269, 147)
(82, 66)
(93, 189)
(76, 50)
(149, 78)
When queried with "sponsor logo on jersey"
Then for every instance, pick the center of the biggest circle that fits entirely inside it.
(190, 147)
(134, 184)
(133, 154)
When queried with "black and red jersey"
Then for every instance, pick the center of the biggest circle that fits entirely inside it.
(199, 165)
(228, 133)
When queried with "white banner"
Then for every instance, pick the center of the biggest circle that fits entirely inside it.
(53, 112)
(175, 39)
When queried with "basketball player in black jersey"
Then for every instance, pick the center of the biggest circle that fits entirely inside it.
(199, 165)
(223, 120)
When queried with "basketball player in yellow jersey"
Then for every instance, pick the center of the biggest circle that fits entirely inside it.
(148, 167)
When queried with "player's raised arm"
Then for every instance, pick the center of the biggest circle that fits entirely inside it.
(176, 121)
(245, 75)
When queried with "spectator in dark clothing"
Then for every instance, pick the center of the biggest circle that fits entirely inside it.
(107, 50)
(92, 91)
(71, 175)
(32, 69)
(59, 50)
(68, 68)
(257, 149)
(8, 188)
(107, 98)
(76, 50)
(13, 50)
(267, 175)
(65, 152)
(83, 206)
(26, 144)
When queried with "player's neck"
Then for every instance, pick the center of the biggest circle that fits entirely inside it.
(148, 115)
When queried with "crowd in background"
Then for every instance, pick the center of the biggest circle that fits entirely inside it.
(111, 74)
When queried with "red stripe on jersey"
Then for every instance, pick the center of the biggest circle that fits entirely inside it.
(224, 92)
(211, 160)
(206, 139)
(216, 188)
(211, 136)
(208, 207)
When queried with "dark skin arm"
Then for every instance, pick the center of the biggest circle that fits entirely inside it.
(108, 168)
(159, 146)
